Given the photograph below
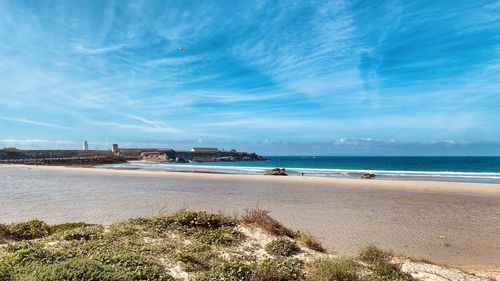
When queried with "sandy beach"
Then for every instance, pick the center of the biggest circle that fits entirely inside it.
(457, 224)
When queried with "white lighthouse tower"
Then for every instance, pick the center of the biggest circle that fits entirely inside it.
(85, 146)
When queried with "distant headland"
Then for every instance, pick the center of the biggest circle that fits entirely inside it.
(115, 154)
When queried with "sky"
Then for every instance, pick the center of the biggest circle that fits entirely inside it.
(412, 77)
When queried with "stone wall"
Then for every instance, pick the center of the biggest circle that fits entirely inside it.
(39, 154)
(73, 161)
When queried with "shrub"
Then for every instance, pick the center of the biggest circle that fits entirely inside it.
(373, 255)
(5, 273)
(279, 269)
(4, 234)
(68, 226)
(83, 233)
(28, 251)
(224, 236)
(282, 247)
(226, 271)
(156, 224)
(195, 257)
(136, 266)
(77, 269)
(310, 242)
(389, 272)
(329, 269)
(29, 230)
(202, 219)
(261, 219)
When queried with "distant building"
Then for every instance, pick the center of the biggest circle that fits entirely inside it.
(85, 146)
(204, 149)
(147, 154)
(114, 148)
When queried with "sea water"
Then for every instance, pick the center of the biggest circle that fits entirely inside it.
(469, 169)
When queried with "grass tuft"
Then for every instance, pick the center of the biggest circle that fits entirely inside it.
(309, 241)
(282, 247)
(380, 265)
(389, 271)
(261, 219)
(329, 269)
(372, 255)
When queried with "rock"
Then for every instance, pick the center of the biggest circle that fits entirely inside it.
(180, 160)
(276, 172)
(368, 176)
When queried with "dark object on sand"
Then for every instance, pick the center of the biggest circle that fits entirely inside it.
(277, 172)
(368, 176)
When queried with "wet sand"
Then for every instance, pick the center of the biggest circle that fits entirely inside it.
(451, 223)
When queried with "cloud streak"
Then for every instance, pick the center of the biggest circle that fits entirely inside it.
(300, 71)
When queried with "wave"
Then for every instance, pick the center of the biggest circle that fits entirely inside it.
(320, 171)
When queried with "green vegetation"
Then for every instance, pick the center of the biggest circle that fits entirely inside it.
(309, 241)
(260, 218)
(371, 254)
(34, 229)
(67, 226)
(227, 271)
(192, 245)
(388, 271)
(379, 263)
(28, 230)
(282, 247)
(329, 269)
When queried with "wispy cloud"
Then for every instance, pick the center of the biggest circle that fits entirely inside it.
(85, 50)
(36, 123)
(299, 71)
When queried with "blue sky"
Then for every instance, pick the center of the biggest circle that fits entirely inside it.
(276, 77)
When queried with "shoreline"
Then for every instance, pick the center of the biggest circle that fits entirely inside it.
(454, 224)
(464, 188)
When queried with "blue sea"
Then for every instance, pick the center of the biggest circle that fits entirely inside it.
(468, 169)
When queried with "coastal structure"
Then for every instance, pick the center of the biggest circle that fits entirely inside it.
(124, 154)
(204, 149)
(85, 146)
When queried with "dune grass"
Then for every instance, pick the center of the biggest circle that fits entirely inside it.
(187, 245)
(380, 265)
(330, 269)
(309, 241)
(260, 218)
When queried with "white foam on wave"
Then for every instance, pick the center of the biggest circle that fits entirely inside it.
(319, 171)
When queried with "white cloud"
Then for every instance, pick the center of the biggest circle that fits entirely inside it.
(36, 123)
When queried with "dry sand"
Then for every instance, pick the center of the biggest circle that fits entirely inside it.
(456, 224)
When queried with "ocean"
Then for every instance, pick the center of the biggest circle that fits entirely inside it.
(463, 169)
